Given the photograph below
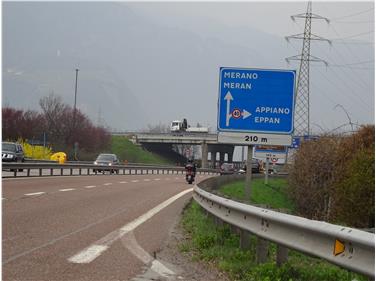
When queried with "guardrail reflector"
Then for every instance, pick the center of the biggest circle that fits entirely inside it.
(339, 247)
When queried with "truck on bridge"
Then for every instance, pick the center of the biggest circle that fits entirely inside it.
(178, 126)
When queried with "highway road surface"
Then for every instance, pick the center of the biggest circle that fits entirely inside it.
(104, 227)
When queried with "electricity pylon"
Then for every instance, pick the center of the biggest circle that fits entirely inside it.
(302, 108)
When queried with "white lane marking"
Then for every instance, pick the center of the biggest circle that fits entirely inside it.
(90, 253)
(35, 193)
(161, 269)
(130, 242)
(123, 182)
(108, 183)
(146, 180)
(157, 179)
(67, 189)
(135, 181)
(90, 186)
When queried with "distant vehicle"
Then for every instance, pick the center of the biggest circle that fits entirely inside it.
(105, 161)
(227, 169)
(178, 126)
(256, 167)
(12, 152)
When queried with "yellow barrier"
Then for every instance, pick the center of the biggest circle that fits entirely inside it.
(61, 157)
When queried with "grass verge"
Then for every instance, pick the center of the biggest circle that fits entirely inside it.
(127, 151)
(219, 246)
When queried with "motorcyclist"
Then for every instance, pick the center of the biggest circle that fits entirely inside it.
(190, 167)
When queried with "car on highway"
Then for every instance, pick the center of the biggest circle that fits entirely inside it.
(12, 152)
(105, 162)
(227, 169)
(256, 167)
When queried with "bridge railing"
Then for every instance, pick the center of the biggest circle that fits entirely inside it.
(55, 169)
(347, 247)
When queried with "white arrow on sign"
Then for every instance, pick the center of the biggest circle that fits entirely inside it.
(246, 114)
(228, 98)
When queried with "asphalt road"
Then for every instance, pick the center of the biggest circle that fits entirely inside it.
(104, 227)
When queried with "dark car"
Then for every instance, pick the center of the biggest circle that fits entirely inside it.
(12, 152)
(256, 167)
(227, 169)
(105, 162)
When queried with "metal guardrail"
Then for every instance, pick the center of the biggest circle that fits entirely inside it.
(349, 248)
(55, 169)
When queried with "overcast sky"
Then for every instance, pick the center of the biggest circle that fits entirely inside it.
(159, 61)
(350, 18)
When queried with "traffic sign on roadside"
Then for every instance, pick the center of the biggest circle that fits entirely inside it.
(255, 102)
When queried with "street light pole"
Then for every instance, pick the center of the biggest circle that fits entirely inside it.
(74, 117)
(75, 97)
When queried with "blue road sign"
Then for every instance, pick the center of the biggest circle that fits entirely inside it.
(295, 142)
(256, 100)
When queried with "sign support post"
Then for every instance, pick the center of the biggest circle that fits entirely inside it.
(267, 171)
(248, 175)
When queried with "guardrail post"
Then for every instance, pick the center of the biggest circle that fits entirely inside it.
(88, 171)
(245, 239)
(61, 171)
(40, 172)
(282, 255)
(71, 171)
(79, 171)
(28, 172)
(261, 250)
(15, 172)
(52, 172)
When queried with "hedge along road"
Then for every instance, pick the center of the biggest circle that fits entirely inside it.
(88, 228)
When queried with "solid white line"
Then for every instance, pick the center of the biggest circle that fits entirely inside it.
(36, 193)
(66, 189)
(90, 253)
(90, 186)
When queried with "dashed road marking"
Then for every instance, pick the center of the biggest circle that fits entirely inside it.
(146, 180)
(108, 183)
(123, 182)
(157, 179)
(67, 189)
(35, 193)
(135, 181)
(90, 253)
(90, 186)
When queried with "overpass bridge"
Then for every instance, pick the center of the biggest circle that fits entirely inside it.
(208, 142)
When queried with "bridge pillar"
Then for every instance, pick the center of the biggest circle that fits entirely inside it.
(229, 156)
(204, 156)
(221, 158)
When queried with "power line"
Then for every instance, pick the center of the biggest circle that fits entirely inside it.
(344, 84)
(353, 22)
(351, 36)
(354, 14)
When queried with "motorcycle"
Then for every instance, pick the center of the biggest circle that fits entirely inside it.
(190, 176)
